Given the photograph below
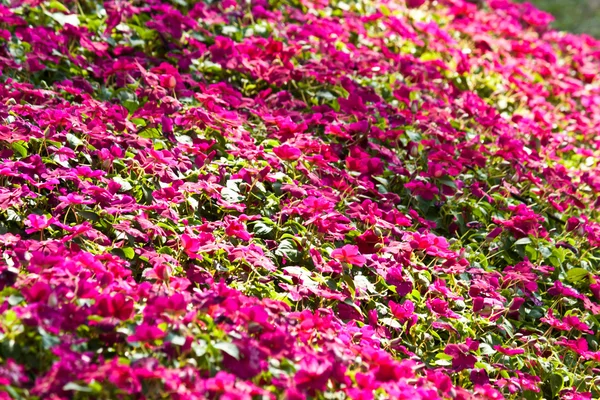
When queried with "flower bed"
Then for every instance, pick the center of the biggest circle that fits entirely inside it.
(295, 199)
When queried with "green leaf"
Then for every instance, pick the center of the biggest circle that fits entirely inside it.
(391, 322)
(524, 240)
(15, 299)
(384, 10)
(448, 183)
(76, 387)
(74, 140)
(64, 19)
(556, 384)
(125, 185)
(228, 348)
(48, 341)
(129, 252)
(262, 229)
(57, 5)
(177, 340)
(287, 249)
(88, 215)
(150, 133)
(20, 147)
(577, 274)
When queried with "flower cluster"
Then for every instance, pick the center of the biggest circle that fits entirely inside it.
(297, 199)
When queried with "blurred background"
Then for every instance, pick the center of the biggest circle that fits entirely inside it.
(579, 16)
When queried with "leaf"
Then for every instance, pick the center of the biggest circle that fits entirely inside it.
(76, 387)
(74, 140)
(556, 384)
(57, 5)
(20, 147)
(448, 183)
(48, 341)
(150, 133)
(522, 241)
(486, 350)
(15, 299)
(577, 274)
(325, 95)
(228, 348)
(286, 249)
(88, 215)
(129, 252)
(64, 19)
(384, 10)
(231, 192)
(391, 322)
(177, 340)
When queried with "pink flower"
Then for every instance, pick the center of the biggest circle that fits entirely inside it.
(509, 351)
(191, 245)
(238, 230)
(567, 323)
(433, 245)
(353, 105)
(426, 190)
(440, 307)
(461, 354)
(313, 373)
(316, 205)
(146, 333)
(415, 3)
(349, 254)
(115, 306)
(405, 312)
(394, 277)
(479, 377)
(287, 152)
(524, 222)
(73, 198)
(38, 223)
(595, 288)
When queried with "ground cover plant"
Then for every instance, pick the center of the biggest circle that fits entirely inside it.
(297, 199)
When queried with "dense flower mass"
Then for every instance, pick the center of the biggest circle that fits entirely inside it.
(297, 199)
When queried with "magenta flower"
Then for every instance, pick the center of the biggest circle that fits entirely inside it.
(394, 277)
(313, 373)
(405, 312)
(349, 254)
(524, 222)
(441, 308)
(479, 377)
(287, 152)
(316, 205)
(190, 245)
(117, 306)
(426, 190)
(73, 198)
(12, 373)
(509, 351)
(193, 244)
(595, 288)
(462, 358)
(415, 3)
(238, 230)
(146, 333)
(38, 223)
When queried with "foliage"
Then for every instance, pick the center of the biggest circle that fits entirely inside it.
(297, 199)
(574, 16)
